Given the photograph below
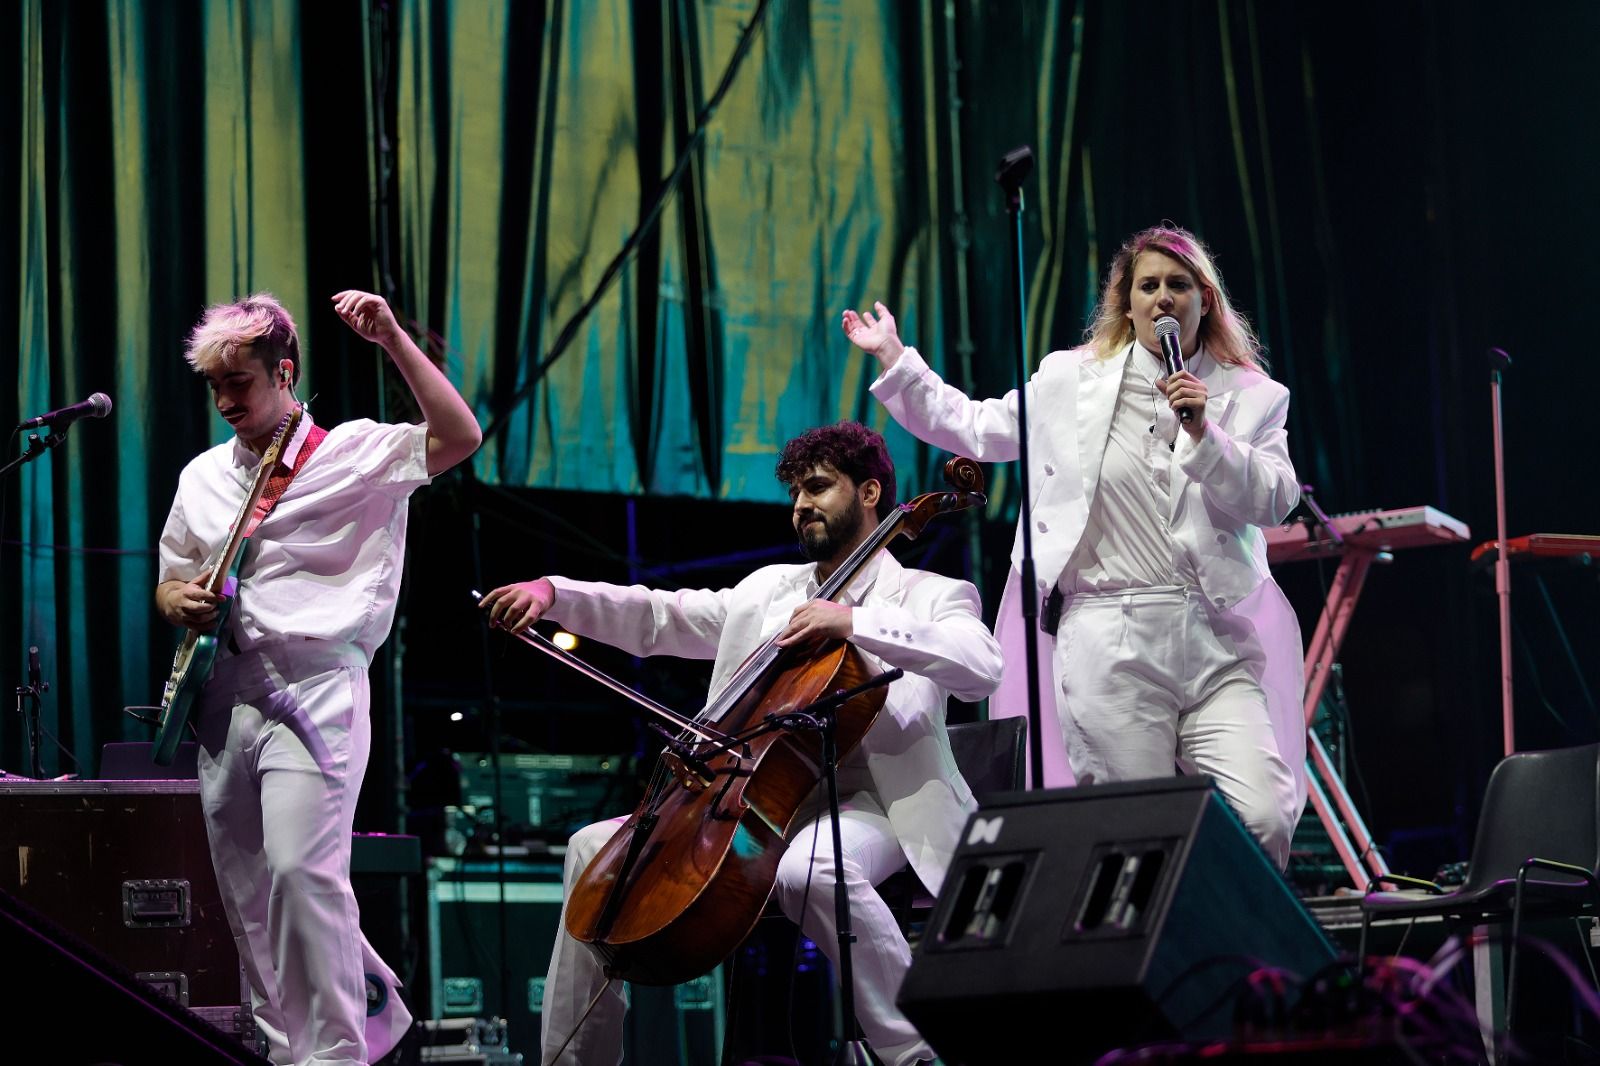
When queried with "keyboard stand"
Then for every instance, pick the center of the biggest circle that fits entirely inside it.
(1359, 540)
(1331, 800)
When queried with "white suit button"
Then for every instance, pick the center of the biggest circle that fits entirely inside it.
(1222, 538)
(883, 632)
(1043, 528)
(1048, 469)
(1220, 602)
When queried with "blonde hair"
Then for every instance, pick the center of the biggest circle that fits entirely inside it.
(1225, 332)
(257, 322)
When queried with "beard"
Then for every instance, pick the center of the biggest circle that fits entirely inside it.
(822, 542)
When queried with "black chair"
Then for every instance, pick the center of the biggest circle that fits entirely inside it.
(1537, 851)
(992, 757)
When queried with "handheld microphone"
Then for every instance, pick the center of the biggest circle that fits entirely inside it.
(1172, 354)
(96, 406)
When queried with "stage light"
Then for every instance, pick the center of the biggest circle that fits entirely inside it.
(456, 716)
(564, 640)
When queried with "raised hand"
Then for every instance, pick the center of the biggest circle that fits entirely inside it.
(875, 335)
(516, 607)
(369, 315)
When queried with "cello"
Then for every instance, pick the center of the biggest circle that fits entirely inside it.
(682, 883)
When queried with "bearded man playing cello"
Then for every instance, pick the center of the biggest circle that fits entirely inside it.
(902, 800)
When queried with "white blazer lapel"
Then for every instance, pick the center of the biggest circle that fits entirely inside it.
(1098, 383)
(889, 584)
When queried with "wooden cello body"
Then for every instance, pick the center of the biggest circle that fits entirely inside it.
(682, 883)
(710, 857)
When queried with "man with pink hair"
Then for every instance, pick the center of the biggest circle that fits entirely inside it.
(282, 722)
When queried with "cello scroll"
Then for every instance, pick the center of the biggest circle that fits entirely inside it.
(965, 478)
(964, 475)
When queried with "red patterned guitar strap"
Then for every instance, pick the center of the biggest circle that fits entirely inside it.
(278, 483)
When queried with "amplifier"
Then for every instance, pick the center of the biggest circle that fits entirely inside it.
(665, 1026)
(464, 960)
(547, 796)
(125, 866)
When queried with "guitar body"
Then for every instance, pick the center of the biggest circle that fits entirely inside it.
(191, 666)
(191, 669)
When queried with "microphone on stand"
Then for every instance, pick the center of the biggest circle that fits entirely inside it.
(1013, 168)
(1172, 353)
(96, 406)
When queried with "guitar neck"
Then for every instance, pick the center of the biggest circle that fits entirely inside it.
(258, 488)
(230, 550)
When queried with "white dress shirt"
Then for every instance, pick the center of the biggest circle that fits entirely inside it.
(325, 562)
(1127, 541)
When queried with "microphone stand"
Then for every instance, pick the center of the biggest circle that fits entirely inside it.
(30, 692)
(1323, 522)
(1498, 362)
(823, 716)
(37, 446)
(1015, 166)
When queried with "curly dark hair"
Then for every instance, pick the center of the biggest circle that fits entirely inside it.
(850, 448)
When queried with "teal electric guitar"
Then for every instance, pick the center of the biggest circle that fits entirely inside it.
(191, 666)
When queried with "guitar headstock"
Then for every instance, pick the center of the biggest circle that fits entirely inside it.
(280, 437)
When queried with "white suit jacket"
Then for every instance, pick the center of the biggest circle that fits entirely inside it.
(928, 625)
(1225, 487)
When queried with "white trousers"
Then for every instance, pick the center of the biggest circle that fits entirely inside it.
(284, 736)
(879, 958)
(1152, 680)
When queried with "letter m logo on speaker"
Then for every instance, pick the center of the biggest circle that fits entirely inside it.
(985, 831)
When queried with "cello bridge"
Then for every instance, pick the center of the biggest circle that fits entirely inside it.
(689, 778)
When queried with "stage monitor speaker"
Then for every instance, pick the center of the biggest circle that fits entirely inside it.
(68, 1003)
(1074, 921)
